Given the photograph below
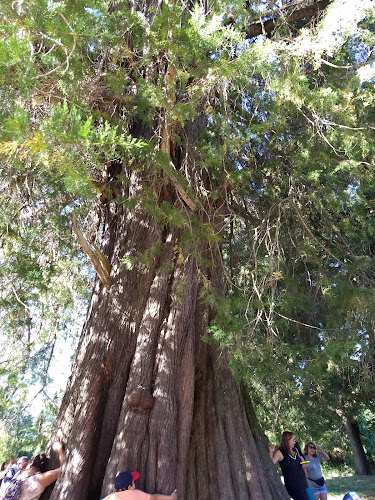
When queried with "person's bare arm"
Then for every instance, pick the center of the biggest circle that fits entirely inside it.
(276, 456)
(47, 478)
(326, 457)
(158, 496)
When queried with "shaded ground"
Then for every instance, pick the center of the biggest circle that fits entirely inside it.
(364, 486)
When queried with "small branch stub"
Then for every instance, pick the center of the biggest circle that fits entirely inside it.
(189, 202)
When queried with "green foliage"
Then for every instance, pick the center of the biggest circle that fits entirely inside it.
(26, 435)
(300, 257)
(366, 422)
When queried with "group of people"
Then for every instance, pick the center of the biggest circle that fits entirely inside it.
(302, 474)
(34, 479)
(302, 471)
(31, 476)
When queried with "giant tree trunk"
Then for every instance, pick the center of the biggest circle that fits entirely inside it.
(146, 393)
(362, 466)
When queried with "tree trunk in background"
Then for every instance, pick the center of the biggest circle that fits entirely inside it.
(362, 466)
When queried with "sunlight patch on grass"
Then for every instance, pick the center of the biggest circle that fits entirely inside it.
(338, 486)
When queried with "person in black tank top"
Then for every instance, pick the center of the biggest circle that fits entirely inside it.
(291, 467)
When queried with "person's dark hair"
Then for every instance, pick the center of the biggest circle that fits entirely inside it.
(39, 462)
(310, 443)
(4, 466)
(284, 443)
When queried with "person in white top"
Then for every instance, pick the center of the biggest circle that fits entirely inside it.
(35, 478)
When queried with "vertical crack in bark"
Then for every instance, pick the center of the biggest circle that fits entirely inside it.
(132, 427)
(102, 329)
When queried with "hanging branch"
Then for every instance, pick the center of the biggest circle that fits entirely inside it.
(165, 144)
(99, 261)
(266, 27)
(189, 202)
(294, 206)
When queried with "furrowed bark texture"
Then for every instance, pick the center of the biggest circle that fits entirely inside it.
(146, 393)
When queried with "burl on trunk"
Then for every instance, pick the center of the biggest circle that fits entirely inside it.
(146, 393)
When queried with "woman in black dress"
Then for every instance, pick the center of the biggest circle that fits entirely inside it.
(291, 467)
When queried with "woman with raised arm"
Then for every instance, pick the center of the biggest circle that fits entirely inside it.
(315, 477)
(35, 479)
(292, 468)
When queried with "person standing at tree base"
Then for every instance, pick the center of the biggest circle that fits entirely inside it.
(291, 467)
(35, 478)
(125, 489)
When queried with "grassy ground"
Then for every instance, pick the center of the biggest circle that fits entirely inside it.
(338, 486)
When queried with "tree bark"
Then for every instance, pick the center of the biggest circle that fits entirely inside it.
(146, 393)
(362, 466)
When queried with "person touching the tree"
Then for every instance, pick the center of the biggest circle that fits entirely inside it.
(35, 478)
(125, 489)
(292, 468)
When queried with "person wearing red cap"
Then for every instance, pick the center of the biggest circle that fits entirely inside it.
(125, 489)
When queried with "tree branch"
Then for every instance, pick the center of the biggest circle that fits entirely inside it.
(294, 206)
(100, 263)
(268, 26)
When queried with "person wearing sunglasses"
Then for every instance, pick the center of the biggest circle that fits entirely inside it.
(315, 477)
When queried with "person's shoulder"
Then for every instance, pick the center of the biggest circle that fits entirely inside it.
(112, 496)
(138, 495)
(129, 495)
